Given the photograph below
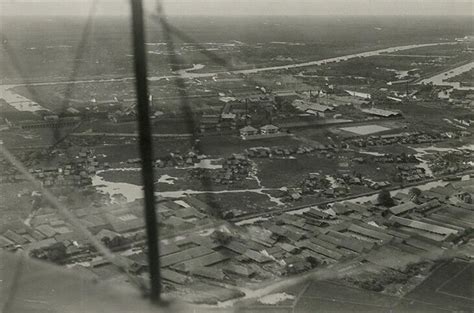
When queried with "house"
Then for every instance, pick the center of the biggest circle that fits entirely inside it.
(319, 249)
(359, 94)
(257, 256)
(297, 265)
(402, 208)
(174, 277)
(269, 129)
(5, 242)
(239, 270)
(209, 273)
(426, 227)
(248, 131)
(318, 214)
(371, 232)
(465, 197)
(199, 262)
(14, 237)
(380, 112)
(311, 107)
(184, 255)
(209, 121)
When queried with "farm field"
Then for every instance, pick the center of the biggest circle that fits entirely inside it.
(365, 130)
(460, 286)
(446, 277)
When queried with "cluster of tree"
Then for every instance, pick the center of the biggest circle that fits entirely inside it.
(55, 253)
(385, 199)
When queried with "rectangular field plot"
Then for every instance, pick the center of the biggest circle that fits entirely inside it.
(448, 287)
(461, 285)
(365, 129)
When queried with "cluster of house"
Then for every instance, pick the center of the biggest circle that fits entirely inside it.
(411, 174)
(235, 168)
(312, 108)
(217, 122)
(381, 112)
(178, 159)
(420, 225)
(173, 159)
(118, 227)
(405, 138)
(124, 110)
(122, 116)
(452, 162)
(268, 152)
(315, 182)
(39, 119)
(9, 173)
(235, 112)
(395, 158)
(333, 187)
(76, 173)
(249, 132)
(287, 243)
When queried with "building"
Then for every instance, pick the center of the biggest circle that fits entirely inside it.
(358, 94)
(402, 208)
(269, 129)
(311, 107)
(248, 131)
(381, 112)
(423, 227)
(51, 123)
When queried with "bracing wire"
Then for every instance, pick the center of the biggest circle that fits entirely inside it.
(168, 31)
(17, 66)
(215, 58)
(74, 72)
(77, 62)
(81, 49)
(175, 63)
(70, 217)
(13, 288)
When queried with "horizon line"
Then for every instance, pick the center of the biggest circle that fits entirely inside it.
(250, 15)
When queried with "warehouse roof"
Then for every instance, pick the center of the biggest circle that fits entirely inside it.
(423, 226)
(380, 112)
(402, 208)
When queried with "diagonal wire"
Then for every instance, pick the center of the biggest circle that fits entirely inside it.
(175, 63)
(80, 51)
(104, 251)
(15, 62)
(170, 31)
(71, 218)
(75, 69)
(181, 35)
(14, 285)
(80, 54)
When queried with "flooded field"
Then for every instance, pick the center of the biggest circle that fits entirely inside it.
(17, 101)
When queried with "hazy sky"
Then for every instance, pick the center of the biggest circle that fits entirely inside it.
(246, 7)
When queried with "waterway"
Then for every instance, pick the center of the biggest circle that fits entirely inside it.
(23, 104)
(440, 79)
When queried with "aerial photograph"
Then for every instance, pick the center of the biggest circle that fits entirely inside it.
(236, 156)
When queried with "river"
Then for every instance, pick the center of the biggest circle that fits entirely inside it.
(440, 79)
(9, 96)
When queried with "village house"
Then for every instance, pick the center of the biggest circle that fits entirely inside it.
(269, 129)
(248, 131)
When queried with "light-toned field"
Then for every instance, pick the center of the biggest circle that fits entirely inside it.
(365, 129)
